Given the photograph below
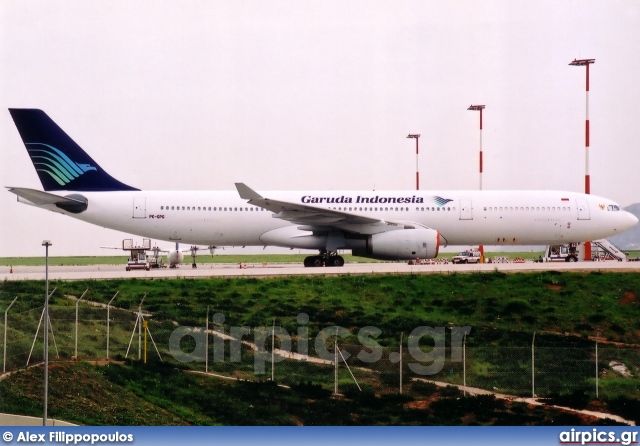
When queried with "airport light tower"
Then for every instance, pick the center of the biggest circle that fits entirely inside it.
(416, 137)
(587, 178)
(479, 108)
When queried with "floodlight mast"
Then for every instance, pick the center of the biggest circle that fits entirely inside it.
(416, 137)
(479, 108)
(587, 177)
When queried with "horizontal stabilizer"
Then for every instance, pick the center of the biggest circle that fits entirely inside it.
(74, 204)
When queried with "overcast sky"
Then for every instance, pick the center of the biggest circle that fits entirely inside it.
(318, 95)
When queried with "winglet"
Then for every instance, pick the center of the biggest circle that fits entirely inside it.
(246, 193)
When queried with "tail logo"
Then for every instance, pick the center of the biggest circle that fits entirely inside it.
(54, 162)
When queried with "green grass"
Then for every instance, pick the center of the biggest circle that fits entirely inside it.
(160, 394)
(566, 310)
(579, 303)
(202, 258)
(205, 258)
(218, 258)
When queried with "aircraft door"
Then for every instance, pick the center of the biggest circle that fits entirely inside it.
(465, 209)
(140, 207)
(583, 209)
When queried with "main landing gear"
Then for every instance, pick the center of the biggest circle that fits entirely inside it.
(325, 258)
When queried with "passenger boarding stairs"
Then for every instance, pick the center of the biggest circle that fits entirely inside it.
(607, 251)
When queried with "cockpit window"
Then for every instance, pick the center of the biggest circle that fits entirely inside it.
(613, 207)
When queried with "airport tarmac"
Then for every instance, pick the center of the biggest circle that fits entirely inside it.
(99, 272)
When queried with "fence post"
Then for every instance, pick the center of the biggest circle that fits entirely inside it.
(401, 336)
(464, 363)
(533, 368)
(335, 362)
(4, 356)
(140, 327)
(597, 337)
(77, 302)
(273, 349)
(206, 343)
(108, 304)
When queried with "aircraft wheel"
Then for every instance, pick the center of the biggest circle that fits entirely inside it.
(312, 261)
(337, 261)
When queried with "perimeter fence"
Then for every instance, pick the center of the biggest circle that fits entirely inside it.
(333, 358)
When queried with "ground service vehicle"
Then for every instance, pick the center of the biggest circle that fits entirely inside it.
(472, 256)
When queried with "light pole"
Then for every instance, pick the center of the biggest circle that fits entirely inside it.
(587, 178)
(416, 137)
(479, 108)
(46, 244)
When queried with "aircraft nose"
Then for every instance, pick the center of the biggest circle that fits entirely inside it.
(630, 220)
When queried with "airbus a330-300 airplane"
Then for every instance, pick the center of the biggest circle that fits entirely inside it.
(392, 225)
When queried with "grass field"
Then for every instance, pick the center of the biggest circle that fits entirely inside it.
(232, 258)
(566, 310)
(205, 258)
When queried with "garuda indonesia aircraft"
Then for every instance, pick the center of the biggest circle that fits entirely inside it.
(391, 225)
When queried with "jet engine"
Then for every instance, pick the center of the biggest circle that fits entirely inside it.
(175, 257)
(401, 244)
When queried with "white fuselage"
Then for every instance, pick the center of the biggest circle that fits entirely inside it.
(461, 217)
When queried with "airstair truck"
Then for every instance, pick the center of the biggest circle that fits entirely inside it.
(603, 249)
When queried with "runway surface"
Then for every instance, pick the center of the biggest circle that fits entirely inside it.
(284, 269)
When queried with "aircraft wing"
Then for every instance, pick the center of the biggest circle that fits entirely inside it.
(315, 218)
(40, 198)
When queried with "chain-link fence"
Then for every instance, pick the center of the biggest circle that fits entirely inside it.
(329, 359)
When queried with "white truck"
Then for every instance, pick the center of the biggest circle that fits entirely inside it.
(471, 256)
